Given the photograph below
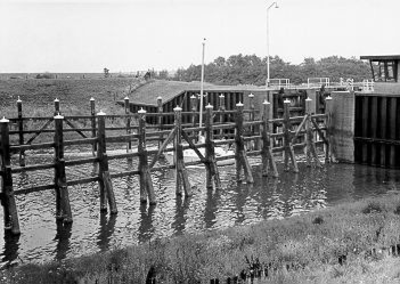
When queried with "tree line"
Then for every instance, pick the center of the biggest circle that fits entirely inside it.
(251, 69)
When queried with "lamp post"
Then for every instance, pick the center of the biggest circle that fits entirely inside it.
(270, 6)
(202, 87)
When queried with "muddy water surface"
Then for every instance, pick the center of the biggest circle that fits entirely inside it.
(234, 205)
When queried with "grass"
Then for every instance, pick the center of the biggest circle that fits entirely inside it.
(335, 250)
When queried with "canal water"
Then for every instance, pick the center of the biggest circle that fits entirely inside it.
(233, 205)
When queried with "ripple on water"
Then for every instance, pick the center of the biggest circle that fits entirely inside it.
(233, 205)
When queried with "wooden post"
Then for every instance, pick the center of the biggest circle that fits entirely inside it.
(241, 160)
(289, 152)
(128, 124)
(255, 143)
(211, 165)
(146, 184)
(10, 216)
(329, 154)
(181, 176)
(56, 106)
(105, 184)
(93, 123)
(20, 132)
(266, 151)
(63, 207)
(310, 145)
(160, 119)
(193, 105)
(222, 108)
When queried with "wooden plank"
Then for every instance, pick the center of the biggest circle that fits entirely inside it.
(373, 123)
(383, 133)
(392, 131)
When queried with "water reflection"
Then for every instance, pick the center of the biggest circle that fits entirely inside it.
(106, 230)
(233, 204)
(63, 240)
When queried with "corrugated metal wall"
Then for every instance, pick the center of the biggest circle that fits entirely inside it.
(377, 130)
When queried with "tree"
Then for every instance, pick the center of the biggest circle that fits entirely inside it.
(106, 72)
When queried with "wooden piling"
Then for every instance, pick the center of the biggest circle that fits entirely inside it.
(330, 150)
(11, 222)
(146, 184)
(105, 184)
(211, 164)
(311, 152)
(255, 144)
(242, 162)
(181, 176)
(160, 119)
(128, 124)
(93, 123)
(222, 108)
(20, 132)
(266, 151)
(193, 106)
(289, 152)
(63, 207)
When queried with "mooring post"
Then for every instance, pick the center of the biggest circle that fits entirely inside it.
(310, 136)
(160, 119)
(222, 108)
(193, 107)
(255, 143)
(10, 216)
(146, 184)
(289, 152)
(128, 123)
(329, 154)
(211, 165)
(266, 151)
(63, 207)
(20, 132)
(105, 184)
(181, 176)
(56, 106)
(240, 155)
(93, 123)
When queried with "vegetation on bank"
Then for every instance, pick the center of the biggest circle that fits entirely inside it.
(251, 69)
(349, 243)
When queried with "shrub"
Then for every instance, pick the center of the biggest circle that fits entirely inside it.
(373, 207)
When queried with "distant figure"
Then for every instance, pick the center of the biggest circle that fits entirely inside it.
(147, 76)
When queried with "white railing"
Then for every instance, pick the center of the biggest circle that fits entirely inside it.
(318, 82)
(279, 83)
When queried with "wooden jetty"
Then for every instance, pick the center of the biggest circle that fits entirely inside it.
(261, 135)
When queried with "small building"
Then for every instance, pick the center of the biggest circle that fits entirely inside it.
(384, 68)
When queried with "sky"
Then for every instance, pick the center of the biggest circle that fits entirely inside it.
(127, 36)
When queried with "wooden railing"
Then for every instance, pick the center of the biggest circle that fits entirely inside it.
(250, 137)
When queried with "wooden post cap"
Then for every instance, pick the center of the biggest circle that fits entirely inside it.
(239, 104)
(177, 108)
(192, 96)
(126, 99)
(56, 100)
(159, 98)
(91, 99)
(328, 98)
(286, 101)
(251, 95)
(308, 99)
(221, 95)
(19, 100)
(265, 102)
(209, 106)
(101, 113)
(4, 120)
(142, 111)
(58, 116)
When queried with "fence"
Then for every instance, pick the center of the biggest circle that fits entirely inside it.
(249, 136)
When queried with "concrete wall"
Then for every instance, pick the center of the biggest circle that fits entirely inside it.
(343, 110)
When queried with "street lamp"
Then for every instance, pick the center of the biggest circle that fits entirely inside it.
(270, 6)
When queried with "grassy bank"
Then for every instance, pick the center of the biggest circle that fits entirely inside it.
(349, 243)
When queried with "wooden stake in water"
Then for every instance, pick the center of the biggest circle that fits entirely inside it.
(287, 125)
(241, 159)
(93, 123)
(266, 151)
(211, 164)
(128, 124)
(11, 222)
(146, 184)
(181, 176)
(63, 207)
(20, 132)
